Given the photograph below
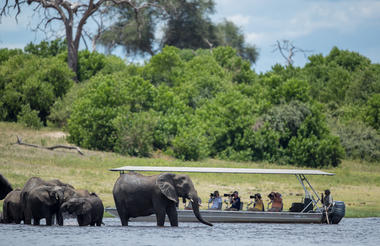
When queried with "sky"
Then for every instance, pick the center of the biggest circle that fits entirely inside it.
(312, 25)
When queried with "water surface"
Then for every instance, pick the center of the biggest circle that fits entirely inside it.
(348, 232)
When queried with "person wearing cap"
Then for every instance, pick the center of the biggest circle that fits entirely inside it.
(258, 205)
(216, 201)
(235, 202)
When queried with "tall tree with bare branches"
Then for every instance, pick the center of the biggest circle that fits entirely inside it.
(73, 14)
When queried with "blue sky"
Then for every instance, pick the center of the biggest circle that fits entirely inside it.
(315, 25)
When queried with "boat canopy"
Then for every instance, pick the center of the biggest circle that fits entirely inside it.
(220, 170)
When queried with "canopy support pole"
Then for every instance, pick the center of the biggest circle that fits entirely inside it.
(302, 179)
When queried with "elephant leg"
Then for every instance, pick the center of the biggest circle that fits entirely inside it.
(173, 215)
(98, 223)
(28, 218)
(59, 218)
(124, 221)
(49, 220)
(160, 215)
(36, 221)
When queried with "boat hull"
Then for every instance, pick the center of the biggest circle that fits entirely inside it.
(217, 216)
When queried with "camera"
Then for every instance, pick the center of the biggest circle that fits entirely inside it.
(252, 196)
(212, 195)
(225, 195)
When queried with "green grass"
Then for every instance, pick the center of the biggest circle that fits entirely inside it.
(355, 183)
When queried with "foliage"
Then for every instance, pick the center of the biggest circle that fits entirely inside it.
(184, 24)
(194, 104)
(29, 117)
(89, 63)
(34, 81)
(358, 140)
(5, 54)
(228, 34)
(46, 48)
(372, 112)
(135, 133)
(105, 98)
(61, 110)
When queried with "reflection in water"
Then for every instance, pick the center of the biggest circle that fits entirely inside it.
(348, 232)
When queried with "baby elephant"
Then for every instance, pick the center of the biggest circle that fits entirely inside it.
(89, 210)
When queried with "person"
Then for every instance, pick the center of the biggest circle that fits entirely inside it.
(327, 200)
(276, 201)
(235, 202)
(258, 204)
(216, 201)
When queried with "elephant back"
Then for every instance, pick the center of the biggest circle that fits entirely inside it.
(5, 187)
(12, 206)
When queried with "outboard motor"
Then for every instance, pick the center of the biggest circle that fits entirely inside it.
(337, 213)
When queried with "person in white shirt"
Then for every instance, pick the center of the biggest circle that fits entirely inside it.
(216, 201)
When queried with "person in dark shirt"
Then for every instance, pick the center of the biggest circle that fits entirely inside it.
(235, 202)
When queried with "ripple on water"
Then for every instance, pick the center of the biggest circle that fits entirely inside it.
(348, 232)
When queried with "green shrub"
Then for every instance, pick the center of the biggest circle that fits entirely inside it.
(46, 48)
(134, 133)
(61, 110)
(315, 152)
(89, 63)
(190, 144)
(5, 54)
(103, 99)
(33, 81)
(372, 112)
(358, 140)
(29, 117)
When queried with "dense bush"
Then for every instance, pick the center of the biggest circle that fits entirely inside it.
(104, 98)
(29, 117)
(34, 81)
(358, 140)
(199, 104)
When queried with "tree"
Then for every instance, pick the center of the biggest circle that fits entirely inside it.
(72, 14)
(185, 25)
(228, 34)
(189, 26)
(288, 50)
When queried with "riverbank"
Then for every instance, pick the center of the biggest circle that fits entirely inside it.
(355, 183)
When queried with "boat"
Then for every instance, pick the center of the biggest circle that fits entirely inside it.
(310, 211)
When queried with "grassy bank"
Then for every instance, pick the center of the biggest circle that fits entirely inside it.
(358, 184)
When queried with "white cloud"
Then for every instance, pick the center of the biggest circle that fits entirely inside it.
(239, 20)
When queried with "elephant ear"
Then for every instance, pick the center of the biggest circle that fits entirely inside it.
(166, 184)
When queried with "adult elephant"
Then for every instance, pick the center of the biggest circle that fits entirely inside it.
(88, 209)
(44, 202)
(5, 187)
(34, 183)
(138, 195)
(12, 212)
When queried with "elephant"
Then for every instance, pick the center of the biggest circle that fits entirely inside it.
(138, 195)
(12, 207)
(43, 202)
(36, 182)
(5, 187)
(89, 209)
(1, 218)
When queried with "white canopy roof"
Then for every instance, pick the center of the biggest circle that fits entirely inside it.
(220, 170)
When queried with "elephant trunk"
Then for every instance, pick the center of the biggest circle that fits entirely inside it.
(195, 206)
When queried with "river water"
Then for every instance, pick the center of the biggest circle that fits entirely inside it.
(347, 232)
